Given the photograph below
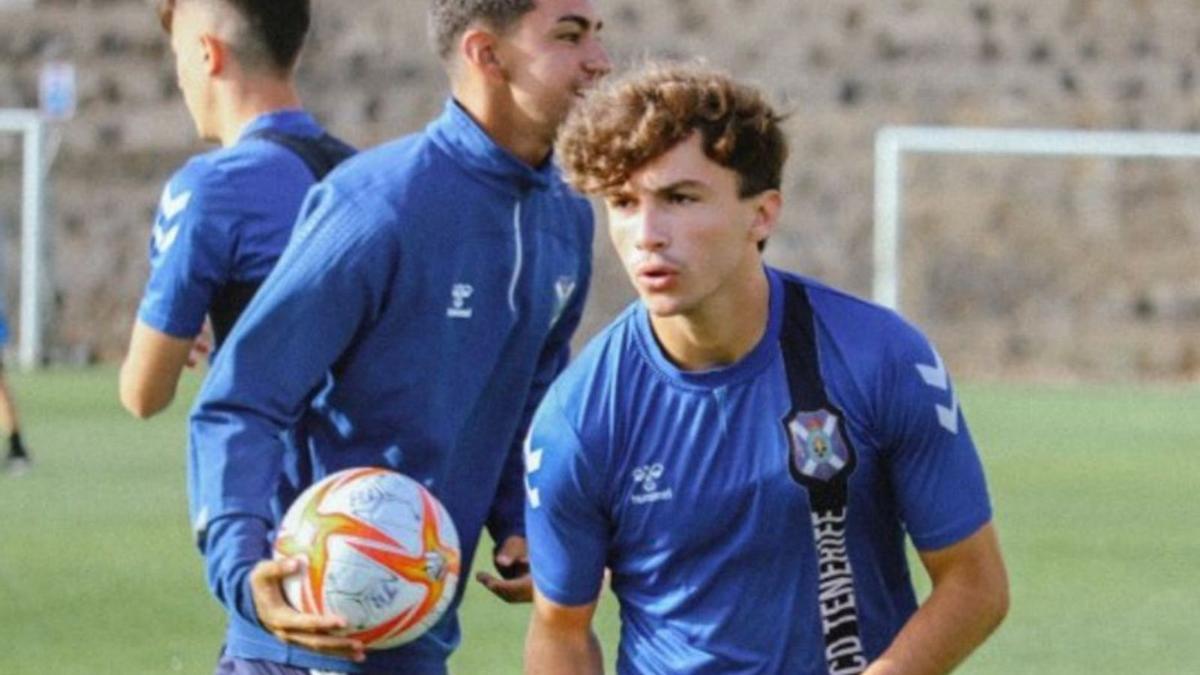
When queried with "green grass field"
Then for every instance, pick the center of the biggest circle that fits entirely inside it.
(1096, 490)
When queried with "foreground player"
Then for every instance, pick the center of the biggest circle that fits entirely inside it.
(425, 302)
(744, 448)
(225, 217)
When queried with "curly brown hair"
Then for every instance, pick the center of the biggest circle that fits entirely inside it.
(631, 120)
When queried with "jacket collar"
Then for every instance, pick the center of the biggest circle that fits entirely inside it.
(468, 144)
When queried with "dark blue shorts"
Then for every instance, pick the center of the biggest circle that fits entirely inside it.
(231, 665)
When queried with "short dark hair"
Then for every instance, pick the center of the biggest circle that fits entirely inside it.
(630, 121)
(274, 35)
(448, 19)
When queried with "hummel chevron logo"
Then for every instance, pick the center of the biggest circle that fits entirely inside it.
(533, 462)
(936, 377)
(173, 206)
(164, 237)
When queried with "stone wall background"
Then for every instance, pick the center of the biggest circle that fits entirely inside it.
(1016, 267)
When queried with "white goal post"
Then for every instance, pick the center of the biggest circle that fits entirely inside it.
(892, 143)
(30, 125)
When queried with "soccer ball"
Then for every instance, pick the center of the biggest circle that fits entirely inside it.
(377, 549)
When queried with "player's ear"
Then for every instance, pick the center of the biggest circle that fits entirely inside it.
(479, 48)
(215, 54)
(767, 206)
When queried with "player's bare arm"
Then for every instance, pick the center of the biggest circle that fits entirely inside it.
(561, 640)
(150, 373)
(968, 601)
(312, 631)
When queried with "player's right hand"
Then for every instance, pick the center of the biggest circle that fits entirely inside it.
(201, 348)
(311, 631)
(512, 562)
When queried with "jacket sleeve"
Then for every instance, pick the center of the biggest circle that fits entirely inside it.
(328, 284)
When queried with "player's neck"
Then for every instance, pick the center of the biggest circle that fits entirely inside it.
(251, 100)
(723, 329)
(504, 123)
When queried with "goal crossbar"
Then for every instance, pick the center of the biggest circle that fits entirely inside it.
(892, 143)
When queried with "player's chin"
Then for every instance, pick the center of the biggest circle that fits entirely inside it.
(660, 306)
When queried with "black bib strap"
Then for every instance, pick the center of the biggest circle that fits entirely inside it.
(821, 459)
(799, 342)
(228, 304)
(319, 153)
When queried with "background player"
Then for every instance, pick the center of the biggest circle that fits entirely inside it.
(225, 217)
(424, 303)
(16, 461)
(744, 448)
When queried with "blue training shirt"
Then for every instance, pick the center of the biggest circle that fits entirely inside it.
(424, 304)
(753, 516)
(224, 218)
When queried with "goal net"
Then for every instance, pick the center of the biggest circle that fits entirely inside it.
(1044, 252)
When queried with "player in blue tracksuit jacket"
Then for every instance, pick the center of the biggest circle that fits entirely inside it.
(226, 215)
(744, 449)
(424, 303)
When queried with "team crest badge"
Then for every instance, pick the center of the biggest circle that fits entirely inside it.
(818, 449)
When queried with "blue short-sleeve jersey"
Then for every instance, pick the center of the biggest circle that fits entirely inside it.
(753, 516)
(224, 218)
